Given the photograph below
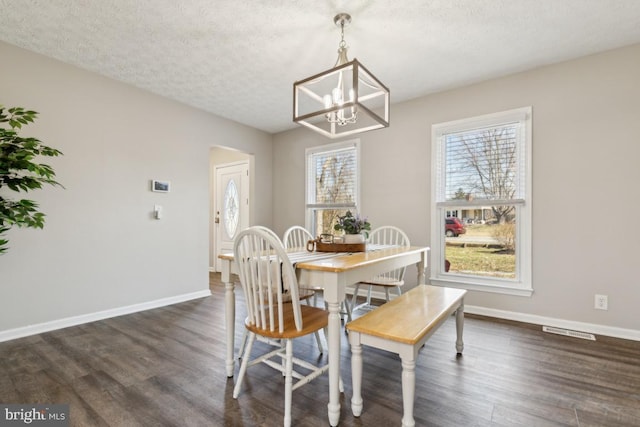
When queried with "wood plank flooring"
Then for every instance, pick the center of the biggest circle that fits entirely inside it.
(165, 367)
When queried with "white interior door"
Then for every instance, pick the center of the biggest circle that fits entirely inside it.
(231, 205)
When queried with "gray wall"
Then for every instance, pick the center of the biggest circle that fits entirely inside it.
(585, 175)
(100, 249)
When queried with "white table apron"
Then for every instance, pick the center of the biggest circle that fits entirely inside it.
(334, 273)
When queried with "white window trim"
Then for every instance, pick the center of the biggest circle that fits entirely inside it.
(522, 285)
(353, 143)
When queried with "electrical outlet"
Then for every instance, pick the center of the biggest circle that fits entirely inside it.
(601, 302)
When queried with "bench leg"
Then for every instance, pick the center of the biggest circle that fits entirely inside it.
(408, 391)
(356, 378)
(459, 326)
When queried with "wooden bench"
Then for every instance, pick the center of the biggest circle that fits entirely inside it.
(402, 326)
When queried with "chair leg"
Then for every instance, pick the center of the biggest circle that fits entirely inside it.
(386, 293)
(347, 308)
(242, 344)
(354, 297)
(319, 342)
(315, 300)
(243, 366)
(369, 295)
(288, 383)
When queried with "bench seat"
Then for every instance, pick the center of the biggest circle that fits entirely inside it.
(402, 326)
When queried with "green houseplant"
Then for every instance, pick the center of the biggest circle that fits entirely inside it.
(353, 225)
(20, 172)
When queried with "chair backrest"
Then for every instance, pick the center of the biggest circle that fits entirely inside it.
(267, 229)
(266, 274)
(390, 235)
(296, 237)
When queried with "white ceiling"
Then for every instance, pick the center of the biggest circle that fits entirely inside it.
(239, 58)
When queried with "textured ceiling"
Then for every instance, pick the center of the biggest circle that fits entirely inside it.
(239, 58)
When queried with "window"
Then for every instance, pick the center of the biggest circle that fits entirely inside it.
(231, 213)
(332, 184)
(481, 203)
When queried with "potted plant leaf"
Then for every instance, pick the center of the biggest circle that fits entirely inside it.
(21, 172)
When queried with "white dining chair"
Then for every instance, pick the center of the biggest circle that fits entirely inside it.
(268, 280)
(297, 237)
(385, 235)
(304, 295)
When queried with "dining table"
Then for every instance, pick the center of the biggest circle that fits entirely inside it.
(332, 271)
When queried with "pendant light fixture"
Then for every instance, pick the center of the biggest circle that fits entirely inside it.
(344, 100)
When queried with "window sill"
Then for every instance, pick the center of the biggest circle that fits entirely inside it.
(492, 288)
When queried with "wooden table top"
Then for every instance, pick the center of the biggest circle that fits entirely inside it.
(343, 262)
(358, 259)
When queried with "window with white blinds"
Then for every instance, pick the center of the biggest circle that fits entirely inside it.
(483, 162)
(332, 180)
(481, 176)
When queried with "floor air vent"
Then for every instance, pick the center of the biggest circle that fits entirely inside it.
(569, 333)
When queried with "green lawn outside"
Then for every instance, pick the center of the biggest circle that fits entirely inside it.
(481, 261)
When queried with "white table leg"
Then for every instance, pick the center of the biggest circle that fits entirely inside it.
(459, 326)
(356, 373)
(408, 391)
(422, 267)
(230, 316)
(333, 341)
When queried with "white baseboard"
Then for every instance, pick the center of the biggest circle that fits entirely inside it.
(10, 334)
(611, 331)
(25, 331)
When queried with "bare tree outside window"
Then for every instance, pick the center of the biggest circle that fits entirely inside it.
(334, 187)
(334, 184)
(481, 169)
(482, 165)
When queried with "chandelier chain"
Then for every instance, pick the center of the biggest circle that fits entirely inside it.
(342, 43)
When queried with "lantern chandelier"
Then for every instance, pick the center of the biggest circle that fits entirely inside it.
(344, 100)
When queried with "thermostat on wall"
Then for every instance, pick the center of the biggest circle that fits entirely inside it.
(160, 186)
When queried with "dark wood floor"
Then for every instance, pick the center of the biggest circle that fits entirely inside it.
(165, 367)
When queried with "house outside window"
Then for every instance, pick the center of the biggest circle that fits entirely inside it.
(481, 203)
(332, 184)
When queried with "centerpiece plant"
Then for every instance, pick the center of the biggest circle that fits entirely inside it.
(350, 224)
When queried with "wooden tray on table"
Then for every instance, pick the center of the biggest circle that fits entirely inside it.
(340, 247)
